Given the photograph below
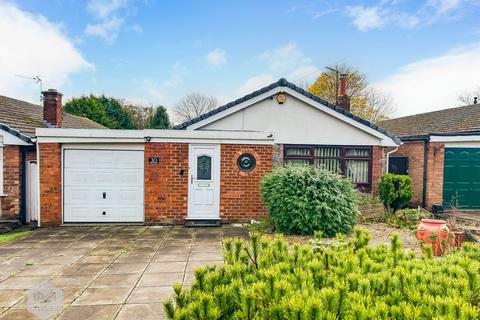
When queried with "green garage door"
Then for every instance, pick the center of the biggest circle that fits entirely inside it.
(462, 177)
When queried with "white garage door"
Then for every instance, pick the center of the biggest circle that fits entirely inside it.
(103, 186)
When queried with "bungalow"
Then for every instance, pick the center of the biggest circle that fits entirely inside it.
(18, 159)
(209, 169)
(441, 153)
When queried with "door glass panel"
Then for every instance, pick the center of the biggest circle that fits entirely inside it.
(204, 168)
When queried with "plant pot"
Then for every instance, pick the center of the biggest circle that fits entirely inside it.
(457, 239)
(434, 232)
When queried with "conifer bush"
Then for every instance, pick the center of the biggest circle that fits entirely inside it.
(395, 191)
(264, 279)
(304, 199)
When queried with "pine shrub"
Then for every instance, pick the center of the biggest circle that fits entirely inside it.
(395, 191)
(303, 199)
(265, 279)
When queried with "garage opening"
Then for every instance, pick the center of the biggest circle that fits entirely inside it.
(103, 186)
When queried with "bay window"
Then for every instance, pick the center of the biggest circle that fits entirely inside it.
(354, 162)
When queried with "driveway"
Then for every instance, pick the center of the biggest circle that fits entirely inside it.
(114, 272)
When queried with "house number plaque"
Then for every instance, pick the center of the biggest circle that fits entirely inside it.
(153, 160)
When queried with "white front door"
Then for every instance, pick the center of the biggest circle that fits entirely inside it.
(204, 182)
(103, 186)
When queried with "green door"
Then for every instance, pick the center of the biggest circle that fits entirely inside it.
(461, 178)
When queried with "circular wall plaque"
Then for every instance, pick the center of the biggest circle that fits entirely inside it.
(246, 162)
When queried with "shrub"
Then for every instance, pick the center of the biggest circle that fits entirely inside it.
(304, 199)
(395, 191)
(406, 218)
(267, 280)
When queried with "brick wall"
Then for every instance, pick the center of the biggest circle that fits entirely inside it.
(435, 163)
(166, 191)
(12, 177)
(240, 198)
(414, 152)
(50, 184)
(378, 167)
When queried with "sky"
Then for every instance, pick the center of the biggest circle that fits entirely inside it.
(421, 53)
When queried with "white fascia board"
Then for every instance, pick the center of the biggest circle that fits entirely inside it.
(459, 138)
(57, 135)
(386, 141)
(210, 136)
(10, 139)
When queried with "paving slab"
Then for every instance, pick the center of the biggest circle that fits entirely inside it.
(107, 272)
(115, 280)
(147, 311)
(104, 312)
(8, 297)
(161, 279)
(150, 295)
(99, 296)
(159, 267)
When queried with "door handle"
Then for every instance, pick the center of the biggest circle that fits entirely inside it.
(191, 178)
(104, 195)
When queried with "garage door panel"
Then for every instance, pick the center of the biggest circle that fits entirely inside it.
(105, 177)
(103, 186)
(99, 214)
(461, 185)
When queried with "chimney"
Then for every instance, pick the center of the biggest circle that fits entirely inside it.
(343, 100)
(52, 108)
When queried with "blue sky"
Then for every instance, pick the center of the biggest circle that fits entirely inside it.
(422, 53)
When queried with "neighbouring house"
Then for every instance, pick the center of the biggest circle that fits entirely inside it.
(441, 153)
(211, 170)
(18, 159)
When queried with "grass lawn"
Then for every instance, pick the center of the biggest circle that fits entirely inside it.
(14, 235)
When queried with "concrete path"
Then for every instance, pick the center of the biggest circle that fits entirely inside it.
(114, 272)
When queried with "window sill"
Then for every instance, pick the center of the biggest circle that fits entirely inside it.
(3, 194)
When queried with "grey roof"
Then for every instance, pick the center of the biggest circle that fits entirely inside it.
(24, 117)
(284, 83)
(453, 120)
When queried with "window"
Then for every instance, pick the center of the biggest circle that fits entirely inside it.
(398, 165)
(204, 168)
(352, 161)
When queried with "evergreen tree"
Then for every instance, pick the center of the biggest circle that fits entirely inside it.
(106, 111)
(160, 119)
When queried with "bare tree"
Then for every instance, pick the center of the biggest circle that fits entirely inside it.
(140, 115)
(468, 98)
(193, 105)
(380, 105)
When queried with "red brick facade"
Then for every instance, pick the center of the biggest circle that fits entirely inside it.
(435, 161)
(50, 184)
(166, 190)
(240, 198)
(414, 152)
(436, 155)
(378, 165)
(12, 176)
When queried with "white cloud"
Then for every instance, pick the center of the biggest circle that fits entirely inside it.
(216, 58)
(284, 58)
(32, 45)
(443, 6)
(102, 9)
(159, 92)
(255, 83)
(435, 83)
(107, 30)
(365, 18)
(136, 28)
